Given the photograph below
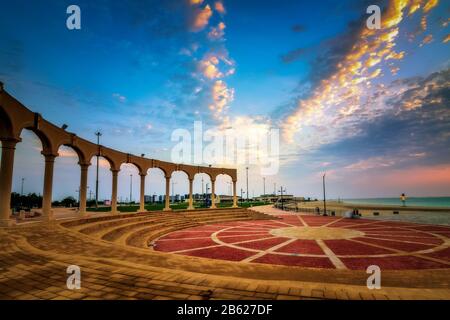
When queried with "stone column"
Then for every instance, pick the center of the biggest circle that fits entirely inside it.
(191, 199)
(6, 175)
(167, 207)
(213, 194)
(142, 198)
(47, 213)
(115, 174)
(83, 187)
(235, 202)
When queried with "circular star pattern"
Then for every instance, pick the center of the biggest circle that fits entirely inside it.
(316, 242)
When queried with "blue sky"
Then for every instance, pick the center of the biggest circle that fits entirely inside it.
(137, 70)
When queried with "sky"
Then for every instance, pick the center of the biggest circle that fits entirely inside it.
(368, 108)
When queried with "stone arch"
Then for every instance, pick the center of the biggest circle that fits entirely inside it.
(128, 169)
(229, 184)
(47, 147)
(105, 177)
(155, 182)
(180, 184)
(82, 159)
(68, 157)
(166, 172)
(6, 126)
(112, 164)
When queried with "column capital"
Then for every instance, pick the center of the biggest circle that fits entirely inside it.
(84, 165)
(143, 174)
(9, 143)
(49, 157)
(115, 171)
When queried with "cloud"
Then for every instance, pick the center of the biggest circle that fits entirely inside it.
(394, 119)
(293, 55)
(427, 40)
(371, 163)
(298, 28)
(200, 18)
(209, 67)
(218, 5)
(347, 89)
(222, 96)
(217, 33)
(430, 4)
(119, 97)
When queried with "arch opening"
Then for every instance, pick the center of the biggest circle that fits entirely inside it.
(104, 184)
(28, 175)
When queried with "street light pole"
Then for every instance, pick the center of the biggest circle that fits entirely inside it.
(206, 198)
(242, 195)
(281, 194)
(79, 190)
(98, 134)
(131, 187)
(324, 197)
(247, 181)
(21, 192)
(264, 186)
(173, 191)
(203, 188)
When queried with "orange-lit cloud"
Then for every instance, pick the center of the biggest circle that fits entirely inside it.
(416, 176)
(337, 98)
(201, 18)
(222, 97)
(427, 40)
(209, 67)
(218, 32)
(430, 5)
(219, 7)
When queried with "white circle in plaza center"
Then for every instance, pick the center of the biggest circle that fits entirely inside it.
(316, 233)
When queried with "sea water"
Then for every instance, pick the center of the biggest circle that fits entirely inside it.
(413, 201)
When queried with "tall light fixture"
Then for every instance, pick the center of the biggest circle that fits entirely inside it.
(98, 134)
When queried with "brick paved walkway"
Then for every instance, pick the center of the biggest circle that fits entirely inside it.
(34, 258)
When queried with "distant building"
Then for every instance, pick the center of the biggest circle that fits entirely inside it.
(274, 198)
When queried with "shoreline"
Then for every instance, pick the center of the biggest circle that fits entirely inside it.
(369, 206)
(424, 215)
(331, 205)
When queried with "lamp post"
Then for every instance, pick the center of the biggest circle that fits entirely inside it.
(247, 181)
(98, 134)
(203, 189)
(264, 186)
(131, 188)
(281, 197)
(21, 191)
(324, 196)
(173, 192)
(78, 191)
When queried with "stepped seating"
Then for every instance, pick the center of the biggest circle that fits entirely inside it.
(141, 229)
